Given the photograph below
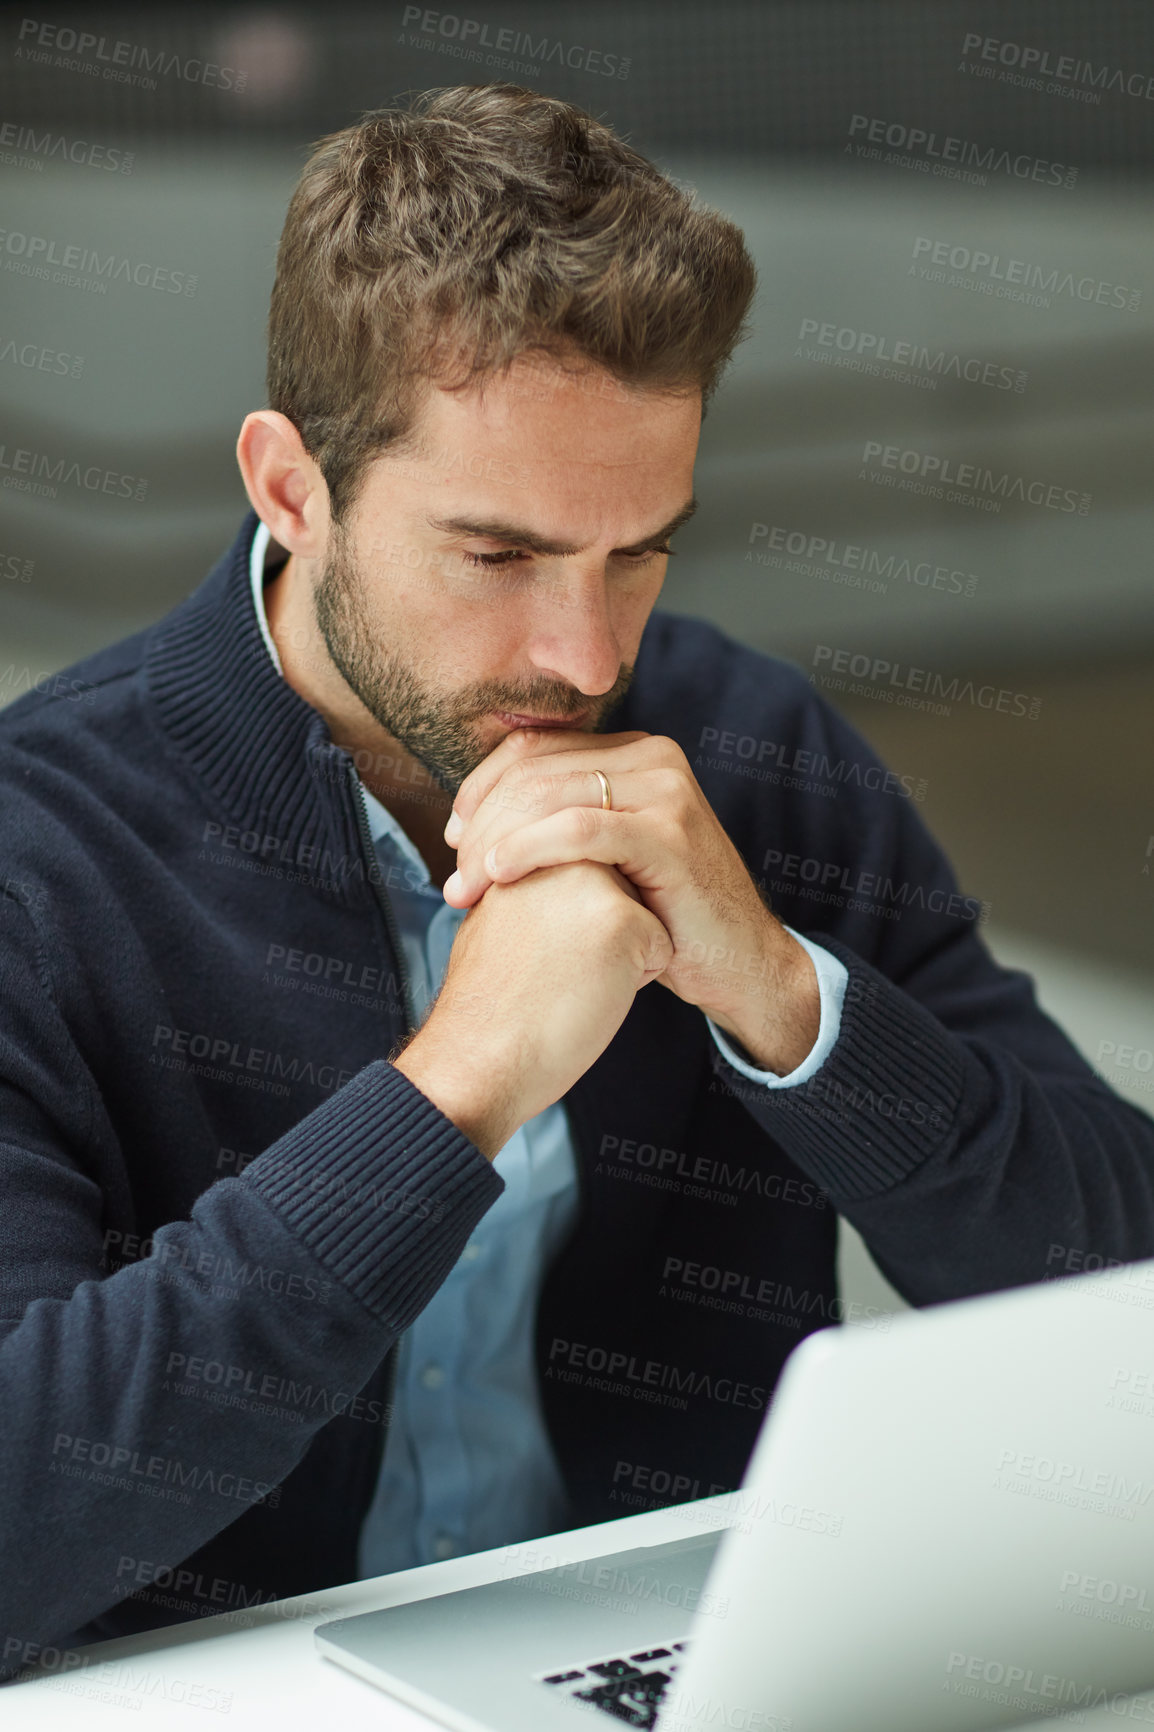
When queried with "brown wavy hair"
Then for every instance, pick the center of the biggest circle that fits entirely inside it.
(484, 222)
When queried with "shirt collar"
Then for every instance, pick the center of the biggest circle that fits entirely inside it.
(258, 562)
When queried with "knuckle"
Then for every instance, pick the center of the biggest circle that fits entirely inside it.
(525, 794)
(671, 831)
(585, 823)
(518, 789)
(619, 922)
(666, 750)
(603, 887)
(671, 782)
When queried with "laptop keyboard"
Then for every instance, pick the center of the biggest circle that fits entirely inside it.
(628, 1686)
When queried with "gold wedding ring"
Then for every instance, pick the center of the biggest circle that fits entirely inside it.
(606, 795)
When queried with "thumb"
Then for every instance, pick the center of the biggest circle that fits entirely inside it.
(657, 946)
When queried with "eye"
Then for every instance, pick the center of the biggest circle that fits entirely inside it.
(512, 553)
(492, 559)
(644, 558)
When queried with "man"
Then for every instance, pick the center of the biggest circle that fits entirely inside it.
(417, 1132)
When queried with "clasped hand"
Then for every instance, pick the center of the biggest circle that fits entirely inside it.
(536, 801)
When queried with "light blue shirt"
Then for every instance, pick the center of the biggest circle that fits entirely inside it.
(468, 1463)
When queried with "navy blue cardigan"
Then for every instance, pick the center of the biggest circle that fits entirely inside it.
(221, 1204)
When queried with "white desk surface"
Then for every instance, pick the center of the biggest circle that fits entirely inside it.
(261, 1668)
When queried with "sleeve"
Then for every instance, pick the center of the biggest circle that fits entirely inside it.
(88, 1356)
(831, 983)
(952, 1121)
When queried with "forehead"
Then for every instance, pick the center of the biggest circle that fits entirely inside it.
(577, 438)
(575, 412)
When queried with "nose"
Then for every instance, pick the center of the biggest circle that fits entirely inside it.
(572, 637)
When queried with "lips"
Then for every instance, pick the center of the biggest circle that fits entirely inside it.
(516, 721)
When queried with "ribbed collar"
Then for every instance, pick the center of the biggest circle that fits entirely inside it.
(259, 751)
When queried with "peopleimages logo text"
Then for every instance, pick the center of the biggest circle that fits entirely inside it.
(925, 472)
(21, 467)
(474, 32)
(1066, 68)
(119, 59)
(30, 255)
(581, 1356)
(908, 355)
(951, 152)
(880, 670)
(45, 145)
(1005, 275)
(815, 551)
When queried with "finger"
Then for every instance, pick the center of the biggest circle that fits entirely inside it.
(626, 840)
(515, 748)
(548, 791)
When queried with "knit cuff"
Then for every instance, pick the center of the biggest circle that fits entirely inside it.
(382, 1188)
(884, 1101)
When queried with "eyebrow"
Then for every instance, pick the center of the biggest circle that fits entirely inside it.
(518, 536)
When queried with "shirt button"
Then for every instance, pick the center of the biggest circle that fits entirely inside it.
(433, 1376)
(444, 1546)
(471, 1252)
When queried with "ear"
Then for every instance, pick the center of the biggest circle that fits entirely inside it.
(285, 488)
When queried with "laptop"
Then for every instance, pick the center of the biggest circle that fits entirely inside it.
(946, 1523)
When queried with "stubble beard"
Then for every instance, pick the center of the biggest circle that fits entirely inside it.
(439, 731)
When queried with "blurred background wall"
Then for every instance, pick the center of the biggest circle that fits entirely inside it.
(926, 479)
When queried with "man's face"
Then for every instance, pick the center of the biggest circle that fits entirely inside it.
(436, 608)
